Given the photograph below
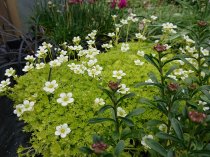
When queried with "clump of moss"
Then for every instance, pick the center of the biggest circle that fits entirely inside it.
(48, 114)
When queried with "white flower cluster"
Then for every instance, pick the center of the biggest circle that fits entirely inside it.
(10, 72)
(188, 40)
(138, 61)
(140, 36)
(183, 74)
(169, 27)
(123, 89)
(26, 106)
(107, 45)
(4, 85)
(203, 104)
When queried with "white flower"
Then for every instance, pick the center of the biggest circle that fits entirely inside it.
(42, 52)
(146, 21)
(92, 62)
(190, 49)
(28, 67)
(30, 58)
(62, 52)
(62, 58)
(125, 47)
(9, 72)
(62, 130)
(140, 53)
(153, 17)
(95, 71)
(91, 42)
(202, 103)
(27, 105)
(143, 141)
(123, 89)
(167, 46)
(19, 109)
(205, 108)
(40, 66)
(124, 22)
(99, 101)
(205, 52)
(203, 74)
(121, 112)
(65, 99)
(50, 86)
(173, 77)
(118, 74)
(76, 39)
(162, 127)
(107, 46)
(91, 53)
(47, 45)
(114, 16)
(54, 63)
(82, 53)
(169, 28)
(111, 34)
(138, 62)
(149, 81)
(5, 83)
(140, 36)
(188, 40)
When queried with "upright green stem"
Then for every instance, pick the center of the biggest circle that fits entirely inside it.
(161, 74)
(116, 118)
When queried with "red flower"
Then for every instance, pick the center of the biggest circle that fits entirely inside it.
(113, 85)
(122, 4)
(173, 86)
(75, 1)
(113, 4)
(196, 116)
(160, 48)
(202, 23)
(99, 147)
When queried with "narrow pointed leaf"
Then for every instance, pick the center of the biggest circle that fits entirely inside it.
(104, 108)
(136, 112)
(156, 147)
(127, 121)
(177, 128)
(150, 59)
(99, 120)
(125, 97)
(119, 148)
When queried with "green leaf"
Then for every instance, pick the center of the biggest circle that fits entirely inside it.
(125, 97)
(150, 59)
(125, 133)
(166, 136)
(170, 153)
(182, 57)
(203, 153)
(153, 77)
(171, 70)
(104, 108)
(86, 150)
(119, 148)
(177, 128)
(127, 121)
(156, 147)
(109, 93)
(99, 120)
(136, 112)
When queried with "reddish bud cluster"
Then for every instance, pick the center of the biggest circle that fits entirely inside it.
(202, 23)
(121, 4)
(173, 86)
(113, 85)
(99, 147)
(160, 48)
(196, 116)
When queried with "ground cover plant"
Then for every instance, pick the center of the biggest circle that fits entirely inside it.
(137, 98)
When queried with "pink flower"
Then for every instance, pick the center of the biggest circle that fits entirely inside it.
(113, 4)
(122, 4)
(197, 117)
(75, 1)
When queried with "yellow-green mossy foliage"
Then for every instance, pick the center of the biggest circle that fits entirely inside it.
(44, 118)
